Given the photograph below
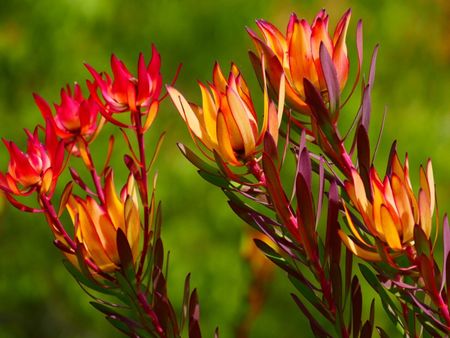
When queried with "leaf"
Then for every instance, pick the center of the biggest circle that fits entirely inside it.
(194, 316)
(215, 179)
(185, 303)
(446, 260)
(422, 244)
(317, 329)
(356, 305)
(82, 279)
(270, 148)
(311, 297)
(363, 144)
(125, 254)
(331, 79)
(373, 63)
(277, 195)
(65, 197)
(390, 307)
(332, 241)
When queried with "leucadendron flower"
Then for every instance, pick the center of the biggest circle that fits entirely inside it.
(37, 168)
(96, 225)
(76, 116)
(391, 213)
(125, 91)
(297, 54)
(227, 121)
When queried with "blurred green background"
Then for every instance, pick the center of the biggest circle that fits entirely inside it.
(43, 45)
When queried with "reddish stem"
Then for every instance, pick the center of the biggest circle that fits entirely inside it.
(143, 187)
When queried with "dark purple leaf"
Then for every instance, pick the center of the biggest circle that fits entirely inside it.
(125, 254)
(194, 316)
(356, 305)
(392, 153)
(365, 109)
(332, 240)
(446, 239)
(270, 148)
(316, 104)
(277, 195)
(331, 80)
(363, 145)
(373, 67)
(185, 303)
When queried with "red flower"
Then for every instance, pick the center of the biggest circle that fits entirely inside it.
(127, 92)
(75, 116)
(36, 169)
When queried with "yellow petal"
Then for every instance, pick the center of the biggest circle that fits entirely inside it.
(353, 228)
(430, 179)
(209, 114)
(357, 250)
(241, 115)
(360, 191)
(390, 229)
(114, 206)
(188, 114)
(133, 226)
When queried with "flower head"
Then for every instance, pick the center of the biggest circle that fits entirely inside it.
(74, 116)
(126, 92)
(297, 54)
(96, 225)
(36, 169)
(227, 121)
(392, 211)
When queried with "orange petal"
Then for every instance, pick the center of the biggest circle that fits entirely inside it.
(301, 63)
(89, 237)
(224, 142)
(388, 223)
(113, 204)
(425, 212)
(403, 208)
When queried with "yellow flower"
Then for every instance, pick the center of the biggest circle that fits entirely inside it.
(392, 211)
(96, 225)
(227, 121)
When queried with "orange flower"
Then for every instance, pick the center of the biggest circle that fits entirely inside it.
(392, 212)
(297, 54)
(96, 225)
(227, 121)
